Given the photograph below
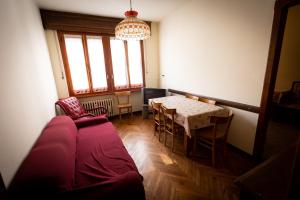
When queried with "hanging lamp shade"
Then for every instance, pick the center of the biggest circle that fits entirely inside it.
(132, 28)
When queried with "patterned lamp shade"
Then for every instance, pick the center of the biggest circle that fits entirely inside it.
(132, 28)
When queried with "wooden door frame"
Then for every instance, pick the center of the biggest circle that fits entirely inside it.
(279, 21)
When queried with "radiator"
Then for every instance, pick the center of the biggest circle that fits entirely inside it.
(107, 103)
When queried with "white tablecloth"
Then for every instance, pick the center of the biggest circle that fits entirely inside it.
(191, 114)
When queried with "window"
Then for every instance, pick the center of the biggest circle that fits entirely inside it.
(77, 64)
(135, 64)
(97, 64)
(119, 63)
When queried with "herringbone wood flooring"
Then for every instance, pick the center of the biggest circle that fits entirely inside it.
(170, 175)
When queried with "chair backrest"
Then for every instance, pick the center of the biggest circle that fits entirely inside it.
(167, 113)
(120, 97)
(156, 109)
(209, 101)
(225, 122)
(192, 97)
(72, 107)
(155, 106)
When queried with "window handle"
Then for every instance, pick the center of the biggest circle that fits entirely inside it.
(107, 76)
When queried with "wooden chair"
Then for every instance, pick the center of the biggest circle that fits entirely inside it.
(192, 97)
(208, 137)
(209, 101)
(123, 102)
(158, 118)
(170, 127)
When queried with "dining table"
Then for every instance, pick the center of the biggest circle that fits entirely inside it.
(190, 114)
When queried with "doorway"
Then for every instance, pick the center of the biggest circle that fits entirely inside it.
(284, 125)
(281, 11)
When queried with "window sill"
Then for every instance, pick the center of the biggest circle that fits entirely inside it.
(105, 93)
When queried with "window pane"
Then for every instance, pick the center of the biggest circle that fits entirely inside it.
(135, 63)
(119, 63)
(77, 64)
(97, 64)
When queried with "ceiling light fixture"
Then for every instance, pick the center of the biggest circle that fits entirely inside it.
(132, 28)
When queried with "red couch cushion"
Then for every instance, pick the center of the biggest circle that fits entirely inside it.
(49, 166)
(101, 156)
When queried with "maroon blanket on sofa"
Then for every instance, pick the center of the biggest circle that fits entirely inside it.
(101, 161)
(106, 164)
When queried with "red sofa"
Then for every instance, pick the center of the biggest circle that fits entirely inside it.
(89, 162)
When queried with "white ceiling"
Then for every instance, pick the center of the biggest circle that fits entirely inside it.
(152, 10)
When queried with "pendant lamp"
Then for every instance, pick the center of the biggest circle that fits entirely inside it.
(132, 28)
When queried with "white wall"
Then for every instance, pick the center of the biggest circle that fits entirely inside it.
(151, 67)
(219, 49)
(242, 129)
(152, 57)
(289, 64)
(57, 63)
(26, 83)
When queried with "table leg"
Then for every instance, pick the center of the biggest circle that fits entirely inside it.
(187, 144)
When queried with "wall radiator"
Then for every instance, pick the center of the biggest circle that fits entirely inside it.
(107, 103)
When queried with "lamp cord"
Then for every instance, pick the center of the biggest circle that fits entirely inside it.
(130, 5)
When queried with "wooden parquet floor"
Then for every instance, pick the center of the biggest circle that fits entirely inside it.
(172, 176)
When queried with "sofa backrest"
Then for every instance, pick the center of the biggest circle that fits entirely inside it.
(49, 166)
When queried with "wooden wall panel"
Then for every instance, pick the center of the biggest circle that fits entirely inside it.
(75, 22)
(65, 21)
(241, 106)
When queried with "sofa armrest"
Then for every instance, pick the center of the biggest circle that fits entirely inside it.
(83, 122)
(270, 179)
